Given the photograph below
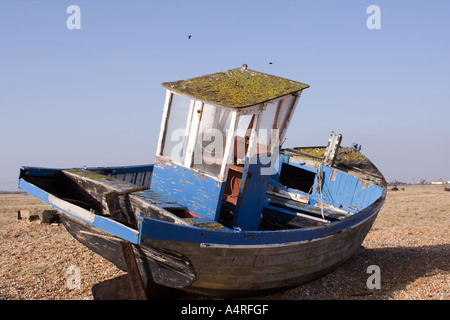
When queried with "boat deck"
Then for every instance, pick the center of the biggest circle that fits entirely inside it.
(297, 213)
(328, 213)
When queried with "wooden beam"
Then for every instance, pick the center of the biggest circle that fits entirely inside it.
(134, 276)
(162, 130)
(229, 146)
(331, 152)
(124, 192)
(116, 210)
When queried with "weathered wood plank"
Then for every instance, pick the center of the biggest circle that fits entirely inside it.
(291, 204)
(252, 268)
(136, 284)
(102, 193)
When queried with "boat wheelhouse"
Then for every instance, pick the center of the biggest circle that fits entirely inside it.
(219, 142)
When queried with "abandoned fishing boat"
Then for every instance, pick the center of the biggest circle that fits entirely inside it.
(223, 210)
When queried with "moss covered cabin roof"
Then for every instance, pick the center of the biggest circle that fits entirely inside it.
(236, 88)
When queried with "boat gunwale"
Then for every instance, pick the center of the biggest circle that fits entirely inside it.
(102, 223)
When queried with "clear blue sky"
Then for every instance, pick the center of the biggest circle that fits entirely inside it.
(93, 97)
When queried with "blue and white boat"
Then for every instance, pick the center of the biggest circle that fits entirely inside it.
(223, 210)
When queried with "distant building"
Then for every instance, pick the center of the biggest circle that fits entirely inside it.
(439, 182)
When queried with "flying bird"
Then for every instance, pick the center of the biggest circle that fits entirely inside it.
(189, 36)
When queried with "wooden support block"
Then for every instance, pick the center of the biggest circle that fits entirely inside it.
(49, 216)
(134, 276)
(27, 215)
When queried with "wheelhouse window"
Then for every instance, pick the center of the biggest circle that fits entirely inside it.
(242, 137)
(196, 133)
(266, 127)
(211, 139)
(176, 132)
(272, 122)
(284, 110)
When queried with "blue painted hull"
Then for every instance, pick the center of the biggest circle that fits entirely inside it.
(261, 262)
(193, 253)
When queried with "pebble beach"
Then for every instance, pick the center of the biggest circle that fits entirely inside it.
(409, 245)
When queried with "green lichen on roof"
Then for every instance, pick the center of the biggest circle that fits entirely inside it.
(236, 88)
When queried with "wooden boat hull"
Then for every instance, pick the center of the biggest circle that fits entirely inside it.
(163, 266)
(228, 271)
(201, 257)
(231, 271)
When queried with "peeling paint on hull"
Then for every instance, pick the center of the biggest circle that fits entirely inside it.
(200, 255)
